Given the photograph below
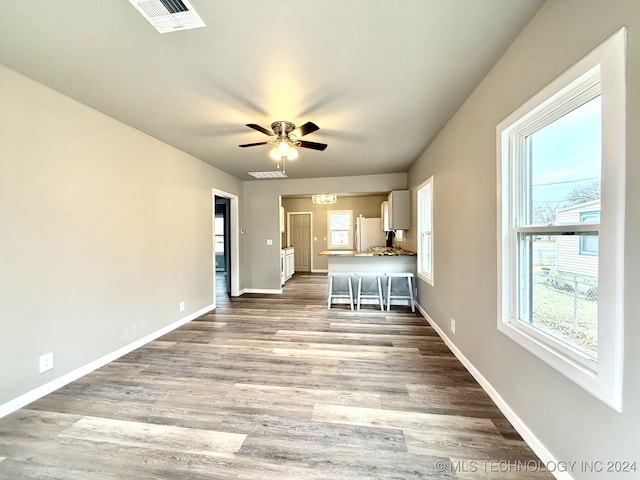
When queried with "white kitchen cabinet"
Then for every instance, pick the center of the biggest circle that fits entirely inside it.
(395, 211)
(290, 263)
(384, 216)
(287, 264)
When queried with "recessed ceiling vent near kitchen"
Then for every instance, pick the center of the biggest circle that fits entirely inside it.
(169, 15)
(272, 174)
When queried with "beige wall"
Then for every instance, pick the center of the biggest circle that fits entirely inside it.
(367, 206)
(570, 423)
(103, 231)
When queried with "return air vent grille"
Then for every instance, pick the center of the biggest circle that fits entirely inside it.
(169, 15)
(273, 174)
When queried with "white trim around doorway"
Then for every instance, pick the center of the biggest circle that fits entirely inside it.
(311, 231)
(235, 241)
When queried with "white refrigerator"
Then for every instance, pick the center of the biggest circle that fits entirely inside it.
(369, 233)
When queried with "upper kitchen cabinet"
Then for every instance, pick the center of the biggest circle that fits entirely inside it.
(397, 208)
(384, 215)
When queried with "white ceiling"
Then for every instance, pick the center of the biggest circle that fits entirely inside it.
(380, 77)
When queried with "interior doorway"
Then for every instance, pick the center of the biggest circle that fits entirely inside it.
(222, 244)
(226, 245)
(299, 234)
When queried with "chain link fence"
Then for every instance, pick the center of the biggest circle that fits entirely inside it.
(579, 288)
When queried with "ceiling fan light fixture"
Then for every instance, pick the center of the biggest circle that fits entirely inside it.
(284, 150)
(275, 155)
(293, 154)
(284, 147)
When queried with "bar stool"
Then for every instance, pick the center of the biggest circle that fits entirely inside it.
(338, 291)
(408, 276)
(374, 292)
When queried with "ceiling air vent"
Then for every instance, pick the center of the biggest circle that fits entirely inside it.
(169, 15)
(273, 174)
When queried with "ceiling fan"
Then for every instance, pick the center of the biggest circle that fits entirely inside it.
(287, 138)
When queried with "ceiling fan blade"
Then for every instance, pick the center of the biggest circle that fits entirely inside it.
(253, 144)
(307, 128)
(260, 129)
(313, 145)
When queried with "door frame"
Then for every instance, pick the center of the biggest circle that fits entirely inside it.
(310, 231)
(234, 240)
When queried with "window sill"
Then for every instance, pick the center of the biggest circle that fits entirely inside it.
(566, 362)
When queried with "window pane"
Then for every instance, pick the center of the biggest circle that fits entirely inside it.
(563, 165)
(425, 231)
(218, 225)
(219, 244)
(426, 210)
(340, 222)
(426, 253)
(218, 229)
(340, 228)
(340, 238)
(559, 289)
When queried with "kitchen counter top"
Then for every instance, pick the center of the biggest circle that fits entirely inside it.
(373, 252)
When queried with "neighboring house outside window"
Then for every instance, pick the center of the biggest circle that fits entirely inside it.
(560, 169)
(425, 231)
(578, 254)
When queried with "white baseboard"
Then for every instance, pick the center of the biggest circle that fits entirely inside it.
(319, 270)
(274, 291)
(536, 445)
(39, 392)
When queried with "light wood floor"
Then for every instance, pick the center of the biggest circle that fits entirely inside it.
(272, 387)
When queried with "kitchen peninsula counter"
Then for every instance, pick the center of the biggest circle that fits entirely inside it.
(374, 252)
(379, 259)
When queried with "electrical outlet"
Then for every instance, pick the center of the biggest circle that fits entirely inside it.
(46, 362)
(453, 326)
(269, 241)
(182, 306)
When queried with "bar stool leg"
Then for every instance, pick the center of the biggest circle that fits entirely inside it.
(380, 295)
(413, 305)
(350, 293)
(388, 293)
(330, 293)
(359, 290)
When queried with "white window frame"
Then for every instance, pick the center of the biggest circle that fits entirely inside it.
(604, 67)
(329, 230)
(425, 230)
